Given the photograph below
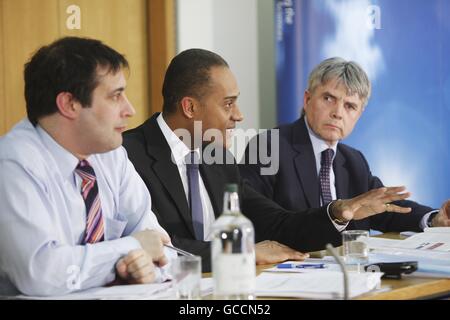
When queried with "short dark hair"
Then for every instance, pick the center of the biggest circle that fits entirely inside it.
(67, 65)
(188, 74)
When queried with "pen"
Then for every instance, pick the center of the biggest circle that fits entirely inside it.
(301, 266)
(182, 252)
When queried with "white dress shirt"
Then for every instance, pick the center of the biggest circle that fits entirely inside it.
(43, 215)
(179, 153)
(318, 146)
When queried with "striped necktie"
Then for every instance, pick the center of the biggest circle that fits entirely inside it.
(89, 192)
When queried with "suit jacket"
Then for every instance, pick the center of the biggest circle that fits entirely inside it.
(151, 155)
(296, 186)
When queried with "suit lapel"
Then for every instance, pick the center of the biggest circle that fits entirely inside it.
(341, 175)
(167, 171)
(304, 161)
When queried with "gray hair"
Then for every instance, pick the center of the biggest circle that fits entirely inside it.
(348, 73)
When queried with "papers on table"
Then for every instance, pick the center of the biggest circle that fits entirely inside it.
(315, 285)
(324, 283)
(154, 291)
(430, 248)
(127, 292)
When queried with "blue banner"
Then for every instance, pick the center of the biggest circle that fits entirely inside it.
(404, 46)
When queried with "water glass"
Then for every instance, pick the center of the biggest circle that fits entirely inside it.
(356, 251)
(187, 274)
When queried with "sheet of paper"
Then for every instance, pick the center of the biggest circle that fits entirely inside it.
(315, 285)
(127, 292)
(438, 230)
(429, 248)
(430, 241)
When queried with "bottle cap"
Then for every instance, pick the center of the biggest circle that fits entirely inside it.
(231, 187)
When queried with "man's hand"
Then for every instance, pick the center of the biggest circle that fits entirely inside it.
(268, 252)
(136, 268)
(370, 203)
(442, 219)
(153, 243)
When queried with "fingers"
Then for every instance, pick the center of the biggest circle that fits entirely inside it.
(394, 189)
(160, 257)
(287, 253)
(395, 197)
(161, 261)
(442, 219)
(121, 269)
(273, 252)
(152, 241)
(147, 279)
(164, 238)
(142, 270)
(446, 209)
(297, 256)
(397, 209)
(293, 254)
(138, 266)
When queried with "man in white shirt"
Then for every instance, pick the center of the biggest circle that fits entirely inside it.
(75, 214)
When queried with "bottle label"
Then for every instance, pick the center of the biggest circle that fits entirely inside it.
(234, 273)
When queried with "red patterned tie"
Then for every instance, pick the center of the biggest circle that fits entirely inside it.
(89, 191)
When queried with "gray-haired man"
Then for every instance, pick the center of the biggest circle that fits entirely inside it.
(315, 168)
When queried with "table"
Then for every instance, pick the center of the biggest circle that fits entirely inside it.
(407, 288)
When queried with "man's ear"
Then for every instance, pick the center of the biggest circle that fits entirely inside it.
(67, 105)
(188, 107)
(306, 99)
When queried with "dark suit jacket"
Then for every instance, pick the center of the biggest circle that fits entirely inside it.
(148, 150)
(296, 185)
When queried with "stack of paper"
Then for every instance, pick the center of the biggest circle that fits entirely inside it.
(315, 285)
(126, 292)
(430, 248)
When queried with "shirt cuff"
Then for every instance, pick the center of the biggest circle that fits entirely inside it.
(424, 221)
(339, 227)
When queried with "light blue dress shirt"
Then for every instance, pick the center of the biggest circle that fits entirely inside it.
(43, 215)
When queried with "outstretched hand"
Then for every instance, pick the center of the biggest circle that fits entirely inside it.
(268, 252)
(370, 203)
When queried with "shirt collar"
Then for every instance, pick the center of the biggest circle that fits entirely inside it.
(319, 144)
(178, 148)
(65, 161)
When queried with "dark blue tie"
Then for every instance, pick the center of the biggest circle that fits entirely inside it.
(324, 175)
(195, 202)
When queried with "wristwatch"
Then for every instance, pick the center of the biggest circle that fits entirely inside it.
(334, 218)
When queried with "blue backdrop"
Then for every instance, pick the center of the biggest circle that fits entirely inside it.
(404, 45)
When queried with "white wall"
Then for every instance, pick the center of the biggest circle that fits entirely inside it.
(230, 29)
(241, 31)
(195, 24)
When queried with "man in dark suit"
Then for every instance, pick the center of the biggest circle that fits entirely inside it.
(200, 94)
(314, 168)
